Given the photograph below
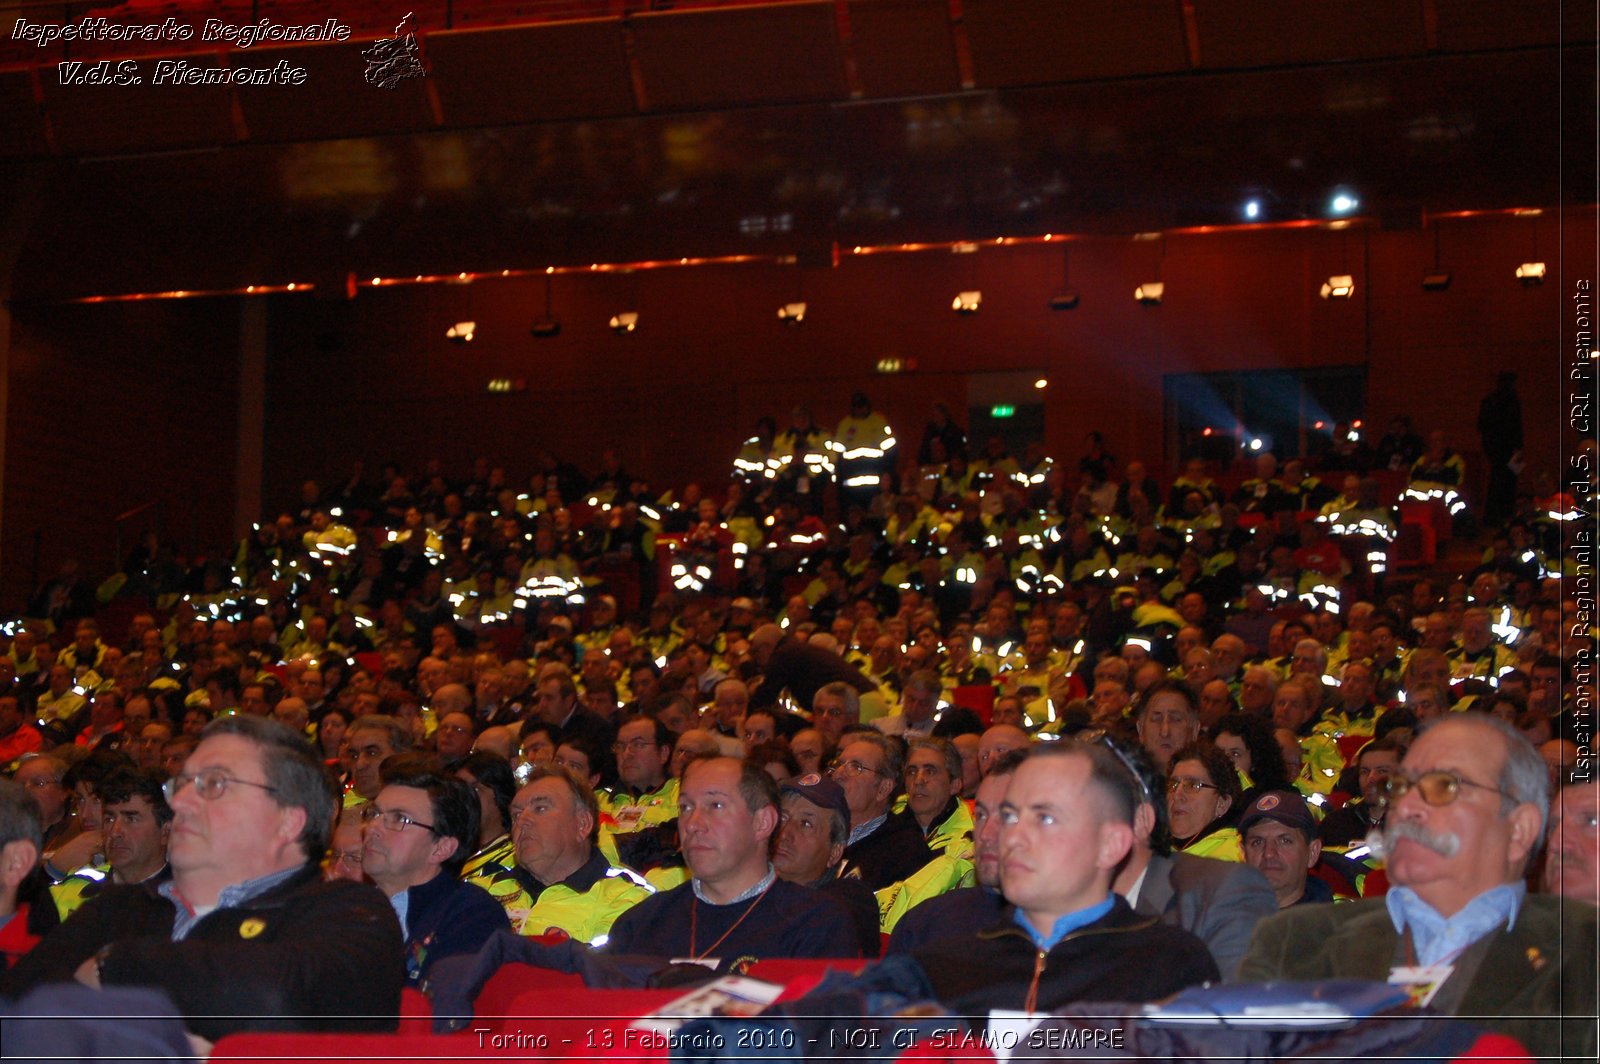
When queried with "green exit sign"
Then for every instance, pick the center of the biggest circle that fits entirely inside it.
(1002, 411)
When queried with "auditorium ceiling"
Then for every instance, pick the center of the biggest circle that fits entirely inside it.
(791, 128)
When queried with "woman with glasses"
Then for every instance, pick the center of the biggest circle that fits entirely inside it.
(1202, 790)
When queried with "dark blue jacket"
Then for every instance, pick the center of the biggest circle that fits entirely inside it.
(444, 917)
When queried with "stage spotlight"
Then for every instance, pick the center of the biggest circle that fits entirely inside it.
(1252, 210)
(1339, 286)
(624, 323)
(1343, 203)
(1150, 293)
(967, 302)
(1531, 273)
(1435, 282)
(792, 313)
(461, 332)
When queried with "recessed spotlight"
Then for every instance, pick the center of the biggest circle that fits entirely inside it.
(1252, 209)
(1339, 286)
(1042, 383)
(1150, 293)
(967, 302)
(1531, 273)
(792, 313)
(461, 332)
(1343, 203)
(625, 323)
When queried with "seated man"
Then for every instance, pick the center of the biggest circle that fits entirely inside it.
(1571, 867)
(883, 849)
(421, 828)
(1067, 822)
(1219, 901)
(372, 739)
(1280, 841)
(734, 908)
(561, 881)
(645, 797)
(933, 778)
(957, 912)
(1467, 811)
(27, 911)
(246, 935)
(135, 821)
(809, 847)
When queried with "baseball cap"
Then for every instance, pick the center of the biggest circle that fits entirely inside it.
(820, 791)
(1285, 807)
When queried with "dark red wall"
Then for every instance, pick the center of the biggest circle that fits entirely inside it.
(111, 407)
(375, 377)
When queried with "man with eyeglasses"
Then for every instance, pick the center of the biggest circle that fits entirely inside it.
(646, 797)
(1457, 929)
(135, 821)
(882, 849)
(420, 830)
(247, 935)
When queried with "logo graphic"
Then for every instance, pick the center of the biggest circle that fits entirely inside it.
(392, 60)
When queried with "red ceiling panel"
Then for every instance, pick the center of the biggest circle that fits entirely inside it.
(1032, 42)
(903, 47)
(531, 73)
(108, 119)
(1253, 33)
(1469, 25)
(21, 120)
(336, 99)
(788, 53)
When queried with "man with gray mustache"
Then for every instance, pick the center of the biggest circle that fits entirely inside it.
(1467, 811)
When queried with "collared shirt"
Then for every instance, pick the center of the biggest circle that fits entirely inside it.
(862, 831)
(1137, 888)
(1437, 939)
(1066, 924)
(766, 881)
(233, 895)
(402, 908)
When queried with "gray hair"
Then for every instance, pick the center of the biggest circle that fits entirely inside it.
(943, 747)
(294, 773)
(840, 689)
(20, 816)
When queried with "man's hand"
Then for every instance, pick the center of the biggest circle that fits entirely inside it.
(88, 973)
(78, 851)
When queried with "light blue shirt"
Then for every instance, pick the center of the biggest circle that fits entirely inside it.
(185, 918)
(1066, 924)
(765, 882)
(861, 831)
(402, 906)
(1437, 939)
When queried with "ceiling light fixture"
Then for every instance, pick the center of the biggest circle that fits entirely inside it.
(792, 313)
(461, 332)
(1150, 293)
(1339, 286)
(1531, 274)
(624, 323)
(967, 302)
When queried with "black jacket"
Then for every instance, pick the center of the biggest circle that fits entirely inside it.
(444, 917)
(1120, 957)
(308, 955)
(888, 855)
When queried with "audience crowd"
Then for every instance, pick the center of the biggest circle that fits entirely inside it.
(874, 695)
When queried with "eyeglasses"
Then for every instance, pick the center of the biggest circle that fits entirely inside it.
(852, 768)
(210, 784)
(1436, 788)
(42, 782)
(633, 745)
(352, 857)
(393, 819)
(1192, 786)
